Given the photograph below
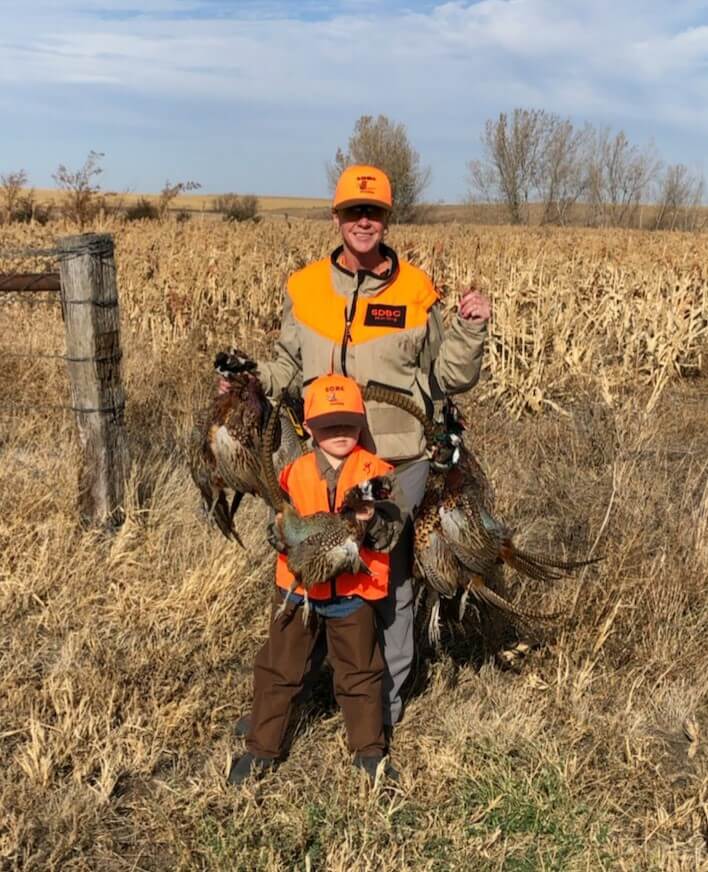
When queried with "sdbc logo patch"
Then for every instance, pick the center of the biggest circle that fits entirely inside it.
(378, 315)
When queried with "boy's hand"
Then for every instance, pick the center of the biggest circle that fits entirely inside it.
(365, 514)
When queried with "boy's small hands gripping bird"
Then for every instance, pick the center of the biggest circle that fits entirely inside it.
(322, 546)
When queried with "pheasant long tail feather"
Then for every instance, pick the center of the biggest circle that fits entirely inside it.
(554, 562)
(486, 594)
(537, 566)
(267, 451)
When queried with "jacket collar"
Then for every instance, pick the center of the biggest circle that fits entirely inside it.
(384, 277)
(325, 470)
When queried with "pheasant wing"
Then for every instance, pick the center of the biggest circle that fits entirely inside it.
(437, 567)
(330, 549)
(203, 468)
(469, 540)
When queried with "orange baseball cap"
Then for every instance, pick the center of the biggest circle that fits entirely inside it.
(334, 399)
(361, 184)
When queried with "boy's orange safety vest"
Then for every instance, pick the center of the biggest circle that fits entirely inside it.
(308, 493)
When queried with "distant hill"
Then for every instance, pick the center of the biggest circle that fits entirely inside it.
(319, 208)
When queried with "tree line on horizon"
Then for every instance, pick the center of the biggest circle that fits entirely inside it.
(82, 201)
(540, 167)
(535, 167)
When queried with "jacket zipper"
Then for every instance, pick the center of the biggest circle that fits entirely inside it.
(348, 320)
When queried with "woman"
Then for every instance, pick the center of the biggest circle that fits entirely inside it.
(364, 313)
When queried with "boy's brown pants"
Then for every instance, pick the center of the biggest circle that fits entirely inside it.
(284, 660)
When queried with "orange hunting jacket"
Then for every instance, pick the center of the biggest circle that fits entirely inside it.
(385, 329)
(307, 490)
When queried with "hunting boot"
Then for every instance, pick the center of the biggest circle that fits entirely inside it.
(247, 767)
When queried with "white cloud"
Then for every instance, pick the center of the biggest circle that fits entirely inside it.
(495, 41)
(451, 63)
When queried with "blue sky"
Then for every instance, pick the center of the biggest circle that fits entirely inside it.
(256, 96)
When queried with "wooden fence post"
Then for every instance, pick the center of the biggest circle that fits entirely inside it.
(89, 299)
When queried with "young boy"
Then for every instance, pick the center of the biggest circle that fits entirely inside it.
(318, 481)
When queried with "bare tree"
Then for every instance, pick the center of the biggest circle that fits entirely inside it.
(534, 156)
(79, 202)
(680, 195)
(562, 177)
(512, 152)
(382, 143)
(170, 192)
(619, 177)
(11, 185)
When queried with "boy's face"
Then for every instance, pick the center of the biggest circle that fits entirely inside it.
(338, 440)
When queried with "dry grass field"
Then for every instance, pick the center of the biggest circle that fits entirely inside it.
(125, 660)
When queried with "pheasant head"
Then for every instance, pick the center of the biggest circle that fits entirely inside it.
(366, 494)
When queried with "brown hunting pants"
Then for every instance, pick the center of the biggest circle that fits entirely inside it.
(284, 660)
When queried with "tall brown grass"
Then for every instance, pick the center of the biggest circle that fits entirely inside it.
(126, 660)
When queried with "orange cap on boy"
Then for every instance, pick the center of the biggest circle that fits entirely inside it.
(332, 400)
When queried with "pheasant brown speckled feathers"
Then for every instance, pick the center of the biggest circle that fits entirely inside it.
(461, 547)
(226, 449)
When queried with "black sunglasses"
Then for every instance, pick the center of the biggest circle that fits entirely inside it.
(354, 213)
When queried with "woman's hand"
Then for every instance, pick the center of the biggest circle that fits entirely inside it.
(365, 514)
(474, 306)
(222, 386)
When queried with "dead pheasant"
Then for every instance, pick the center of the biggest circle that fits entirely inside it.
(319, 547)
(225, 452)
(459, 545)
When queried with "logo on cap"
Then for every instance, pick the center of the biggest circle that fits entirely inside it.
(332, 394)
(364, 182)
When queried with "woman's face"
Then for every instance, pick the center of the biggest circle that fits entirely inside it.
(362, 227)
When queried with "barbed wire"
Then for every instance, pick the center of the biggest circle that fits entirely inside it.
(30, 252)
(25, 407)
(32, 354)
(99, 244)
(56, 302)
(108, 304)
(119, 409)
(99, 304)
(30, 283)
(107, 358)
